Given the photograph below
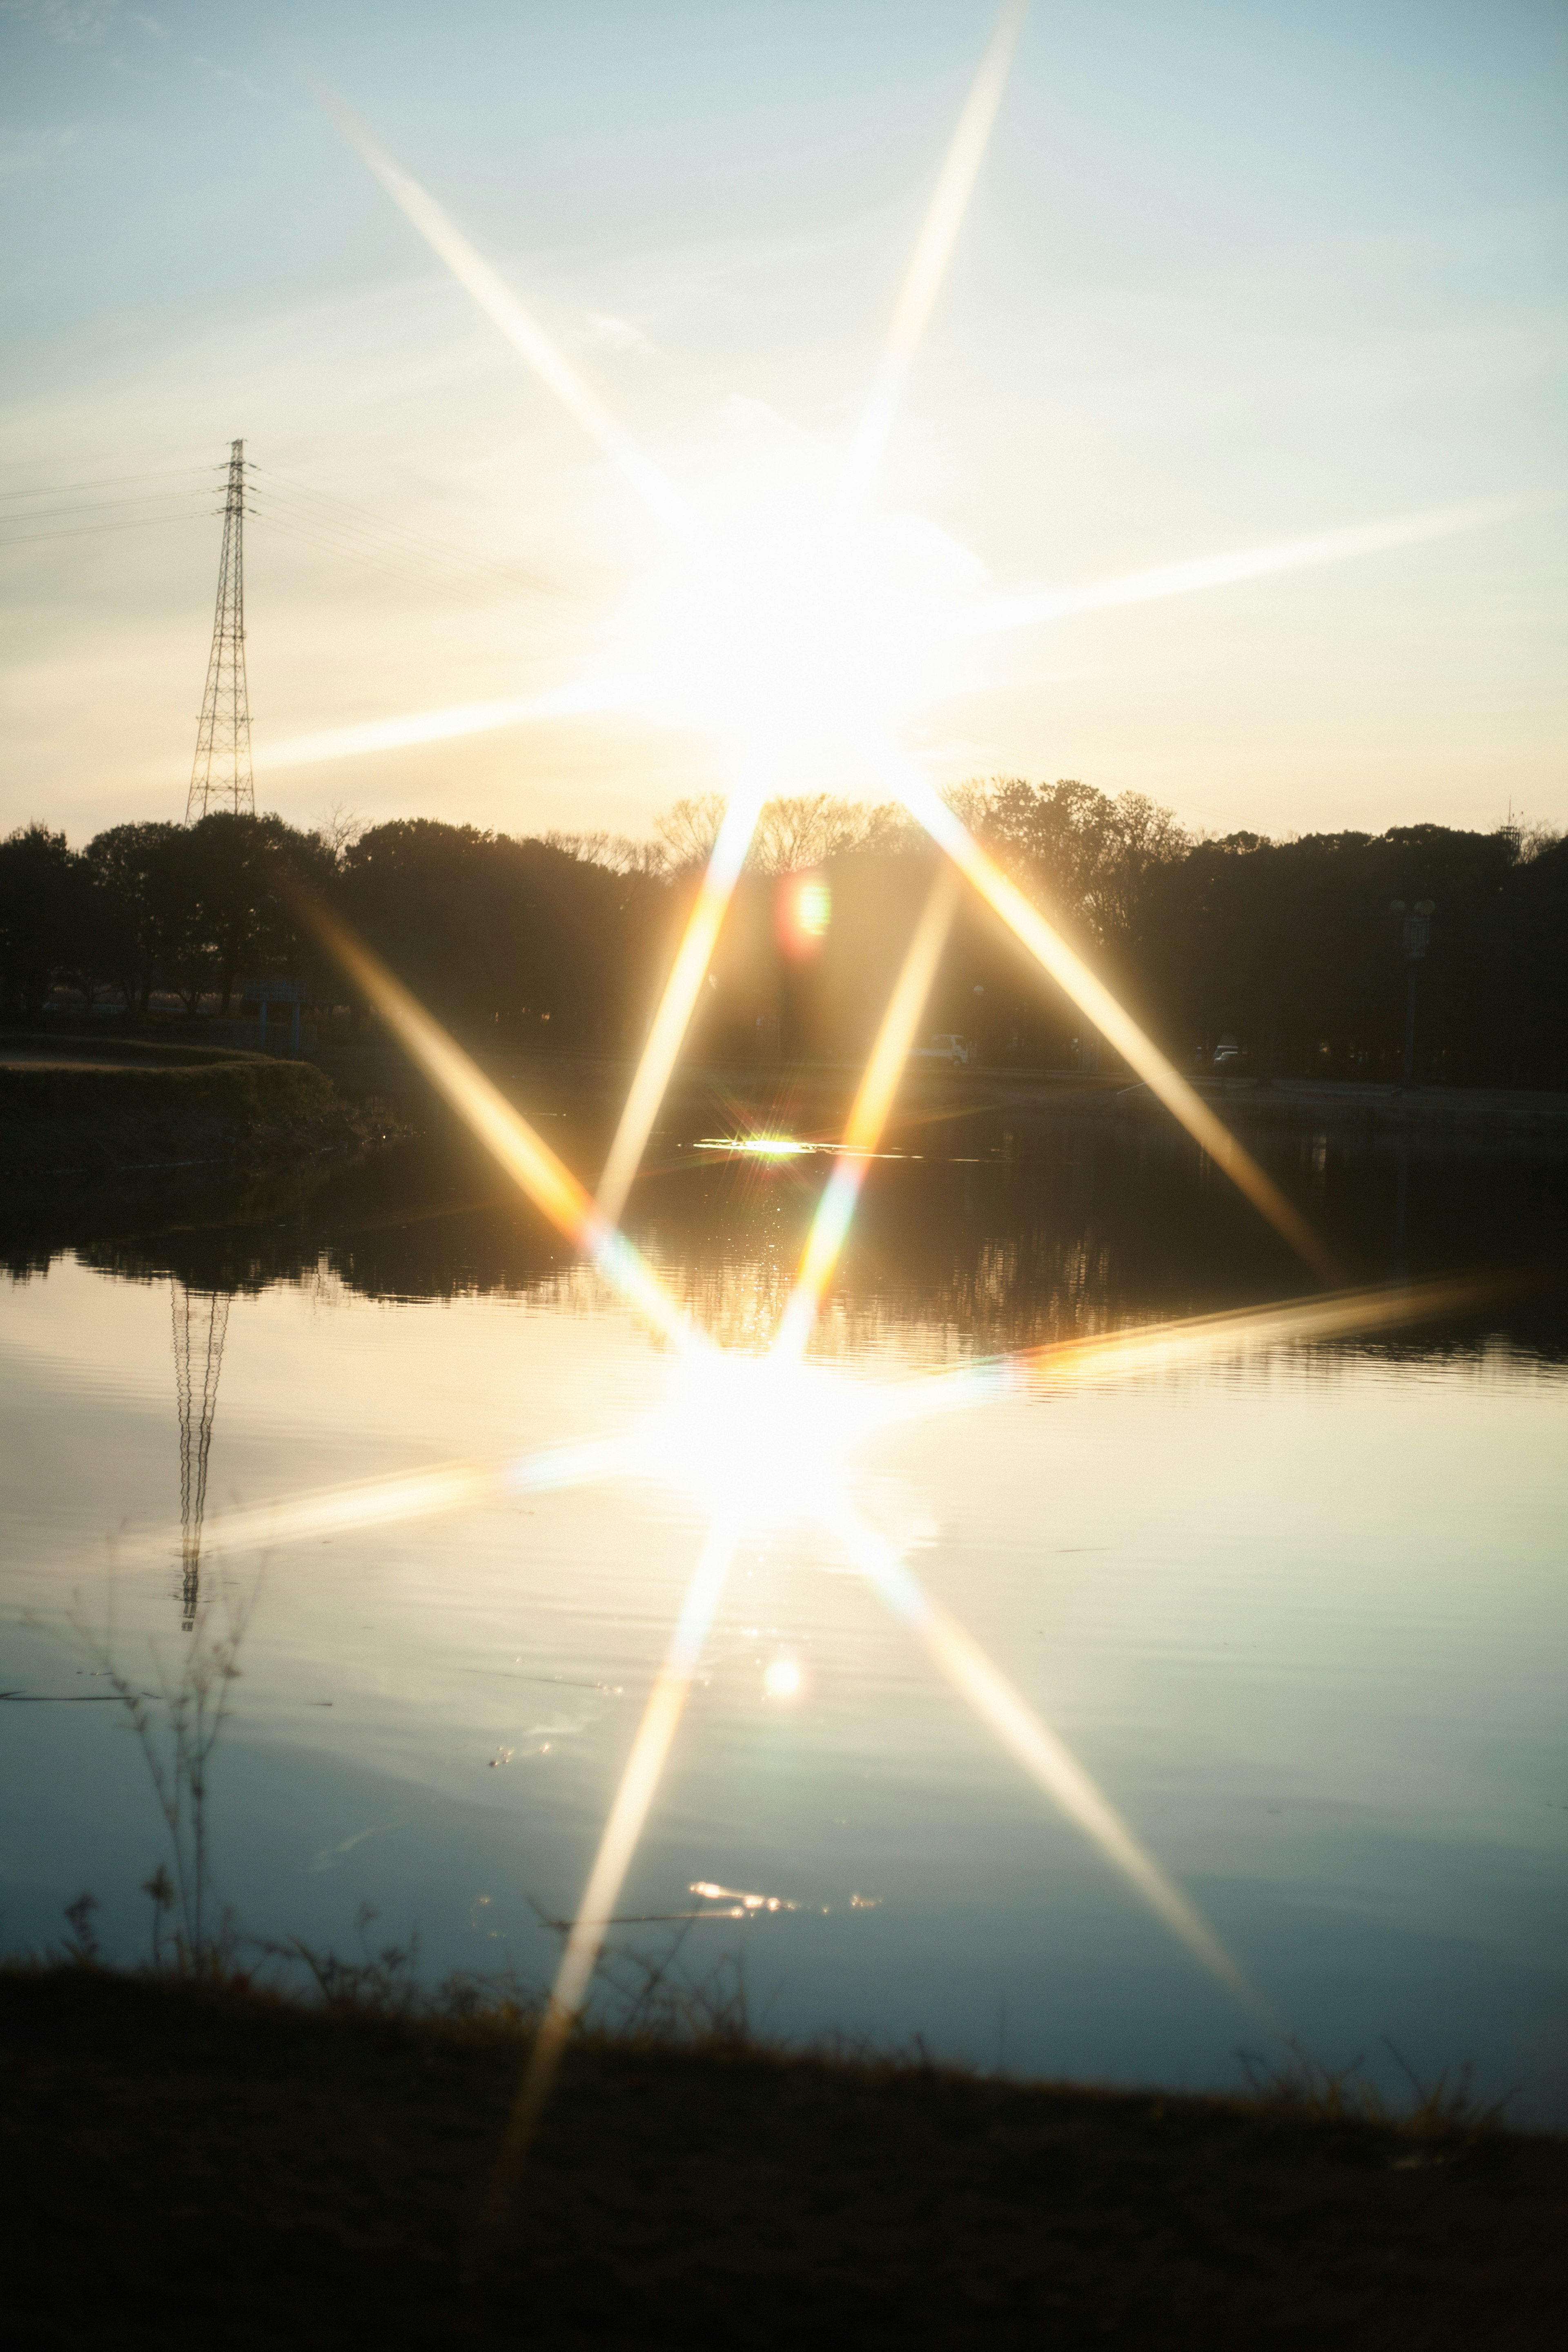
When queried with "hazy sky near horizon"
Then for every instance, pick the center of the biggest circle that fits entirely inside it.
(1232, 274)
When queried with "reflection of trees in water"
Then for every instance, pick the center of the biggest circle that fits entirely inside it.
(1006, 1234)
(198, 1226)
(1017, 1238)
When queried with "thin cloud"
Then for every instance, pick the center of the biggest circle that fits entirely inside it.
(75, 21)
(618, 334)
(36, 151)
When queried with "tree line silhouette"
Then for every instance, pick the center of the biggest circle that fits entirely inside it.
(1290, 947)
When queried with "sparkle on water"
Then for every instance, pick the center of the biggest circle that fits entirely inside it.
(758, 1147)
(784, 1679)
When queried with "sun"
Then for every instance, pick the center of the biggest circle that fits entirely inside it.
(797, 623)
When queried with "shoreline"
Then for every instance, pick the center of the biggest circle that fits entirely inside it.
(278, 2172)
(108, 1095)
(133, 1108)
(806, 1090)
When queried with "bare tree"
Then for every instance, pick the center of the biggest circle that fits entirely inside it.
(891, 832)
(340, 828)
(795, 830)
(805, 830)
(616, 852)
(1532, 837)
(690, 829)
(972, 803)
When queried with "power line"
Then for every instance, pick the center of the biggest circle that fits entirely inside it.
(99, 505)
(427, 544)
(347, 550)
(287, 504)
(111, 481)
(89, 530)
(317, 519)
(396, 561)
(311, 530)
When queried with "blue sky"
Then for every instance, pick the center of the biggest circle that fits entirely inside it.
(1232, 274)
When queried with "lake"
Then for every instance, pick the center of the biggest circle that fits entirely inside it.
(1299, 1613)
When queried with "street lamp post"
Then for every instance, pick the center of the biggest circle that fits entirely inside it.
(1415, 932)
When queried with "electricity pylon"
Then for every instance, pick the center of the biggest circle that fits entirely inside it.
(221, 776)
(198, 1360)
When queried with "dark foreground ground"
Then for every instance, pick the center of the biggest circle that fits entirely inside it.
(183, 2167)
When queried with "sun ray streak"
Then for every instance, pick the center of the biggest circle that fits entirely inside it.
(1093, 998)
(412, 1495)
(457, 719)
(673, 1018)
(868, 1114)
(520, 1150)
(1003, 613)
(520, 327)
(1160, 1348)
(1139, 1354)
(928, 264)
(1047, 1759)
(623, 1829)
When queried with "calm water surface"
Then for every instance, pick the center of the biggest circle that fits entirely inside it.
(1302, 1615)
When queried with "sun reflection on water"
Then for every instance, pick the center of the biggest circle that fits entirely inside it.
(760, 1436)
(759, 1147)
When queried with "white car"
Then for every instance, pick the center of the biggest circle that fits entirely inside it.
(947, 1047)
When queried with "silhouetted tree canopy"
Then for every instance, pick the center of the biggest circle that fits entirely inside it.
(1290, 946)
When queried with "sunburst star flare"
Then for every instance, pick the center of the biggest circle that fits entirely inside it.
(780, 635)
(929, 262)
(521, 330)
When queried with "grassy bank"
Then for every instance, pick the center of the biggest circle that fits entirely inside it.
(136, 1106)
(261, 2173)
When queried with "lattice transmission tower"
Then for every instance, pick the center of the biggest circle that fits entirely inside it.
(221, 776)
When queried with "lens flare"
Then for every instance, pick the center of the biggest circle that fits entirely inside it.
(794, 632)
(805, 911)
(868, 1115)
(521, 1153)
(673, 1018)
(623, 1831)
(520, 327)
(1341, 546)
(812, 622)
(940, 616)
(459, 719)
(388, 1502)
(1090, 994)
(1165, 1348)
(1043, 1755)
(928, 264)
(853, 1410)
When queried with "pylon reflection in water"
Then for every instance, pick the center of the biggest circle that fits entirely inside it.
(200, 1326)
